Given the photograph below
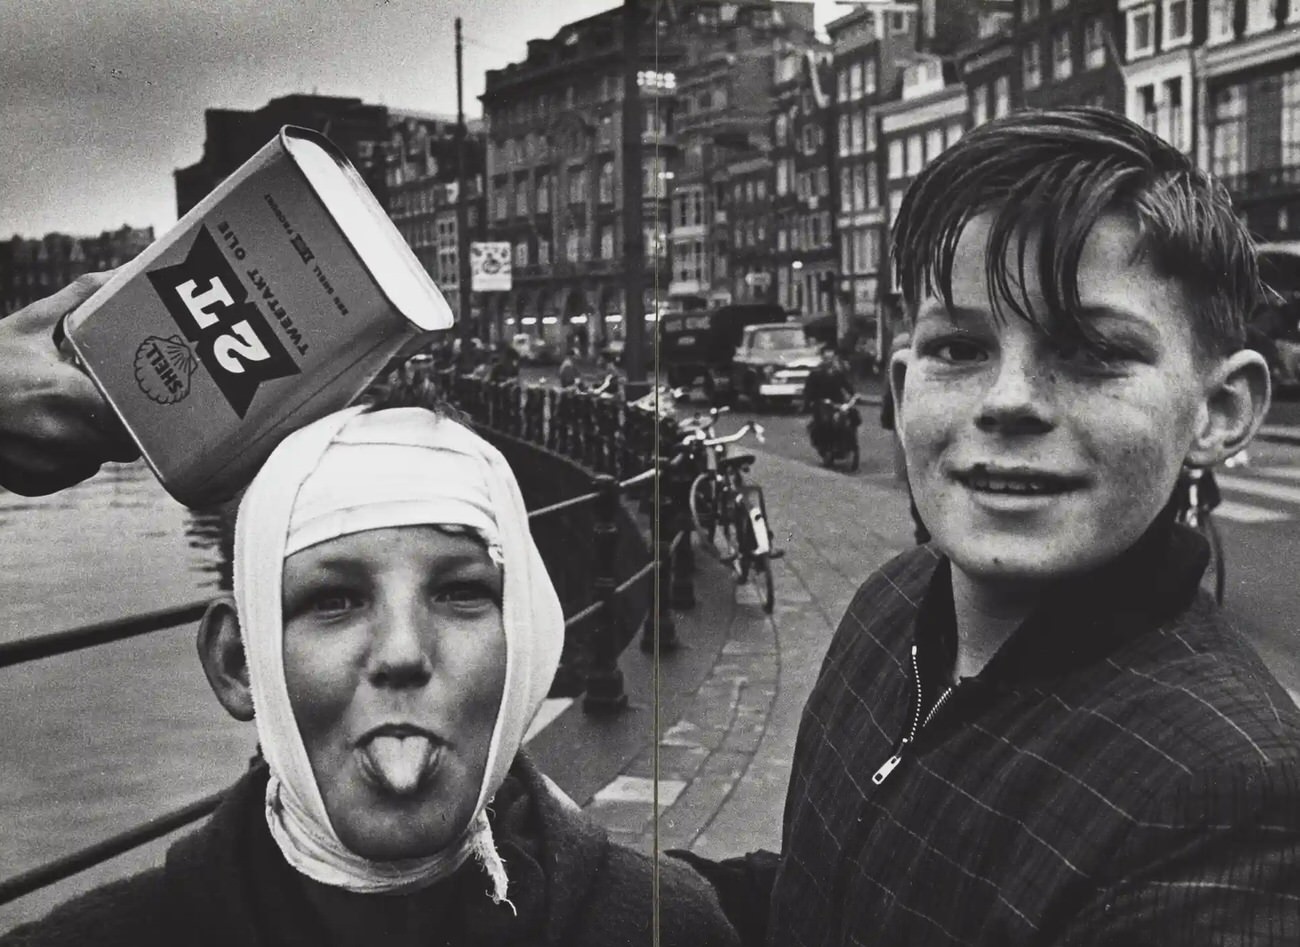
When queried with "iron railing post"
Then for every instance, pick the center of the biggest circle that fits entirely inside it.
(605, 692)
(683, 585)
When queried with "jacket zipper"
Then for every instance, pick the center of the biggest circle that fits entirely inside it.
(918, 724)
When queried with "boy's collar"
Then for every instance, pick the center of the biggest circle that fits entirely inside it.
(1084, 619)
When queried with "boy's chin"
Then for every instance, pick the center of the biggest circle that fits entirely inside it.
(1023, 562)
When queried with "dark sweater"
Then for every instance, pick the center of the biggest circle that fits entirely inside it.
(227, 884)
(1124, 771)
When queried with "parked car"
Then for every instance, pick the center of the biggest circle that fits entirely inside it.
(772, 363)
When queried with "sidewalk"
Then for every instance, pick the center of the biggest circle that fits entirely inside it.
(731, 696)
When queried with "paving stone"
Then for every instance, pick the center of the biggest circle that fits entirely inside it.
(730, 763)
(696, 806)
(640, 789)
(680, 762)
(682, 733)
(742, 741)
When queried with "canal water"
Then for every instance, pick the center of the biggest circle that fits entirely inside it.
(100, 740)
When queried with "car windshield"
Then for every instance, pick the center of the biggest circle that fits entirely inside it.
(780, 340)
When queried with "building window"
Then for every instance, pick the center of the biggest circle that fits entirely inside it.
(1291, 117)
(606, 183)
(1094, 43)
(844, 135)
(896, 159)
(1030, 66)
(544, 252)
(1220, 27)
(915, 154)
(1177, 22)
(607, 242)
(521, 198)
(855, 81)
(846, 190)
(1141, 32)
(846, 253)
(1029, 10)
(1001, 96)
(760, 190)
(859, 141)
(859, 188)
(1260, 16)
(980, 104)
(1062, 59)
(1147, 103)
(933, 143)
(1227, 133)
(781, 129)
(572, 246)
(502, 201)
(521, 253)
(1175, 124)
(843, 85)
(873, 186)
(895, 205)
(1060, 4)
(577, 185)
(898, 23)
(544, 194)
(869, 76)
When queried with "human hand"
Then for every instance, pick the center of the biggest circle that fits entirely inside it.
(56, 429)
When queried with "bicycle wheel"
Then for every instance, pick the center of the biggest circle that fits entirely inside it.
(703, 500)
(1216, 571)
(724, 513)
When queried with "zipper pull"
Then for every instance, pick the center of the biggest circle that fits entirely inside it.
(886, 768)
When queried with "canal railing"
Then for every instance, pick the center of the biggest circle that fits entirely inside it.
(621, 451)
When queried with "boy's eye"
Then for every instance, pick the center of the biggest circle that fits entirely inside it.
(468, 595)
(955, 350)
(328, 602)
(1099, 357)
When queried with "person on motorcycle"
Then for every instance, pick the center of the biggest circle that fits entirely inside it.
(829, 381)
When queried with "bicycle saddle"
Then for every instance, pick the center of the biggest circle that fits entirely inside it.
(739, 460)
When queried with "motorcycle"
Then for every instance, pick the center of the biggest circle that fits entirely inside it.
(841, 437)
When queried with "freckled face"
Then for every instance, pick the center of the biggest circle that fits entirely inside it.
(394, 658)
(1031, 459)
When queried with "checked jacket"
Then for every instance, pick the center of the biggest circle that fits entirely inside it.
(1123, 771)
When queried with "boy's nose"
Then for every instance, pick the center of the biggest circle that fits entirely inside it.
(1018, 400)
(399, 654)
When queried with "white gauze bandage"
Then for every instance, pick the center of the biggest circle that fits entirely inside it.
(353, 471)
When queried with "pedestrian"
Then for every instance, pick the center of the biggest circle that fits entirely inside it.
(1038, 729)
(392, 633)
(569, 370)
(56, 429)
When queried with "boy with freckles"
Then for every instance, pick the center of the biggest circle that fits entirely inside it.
(1037, 728)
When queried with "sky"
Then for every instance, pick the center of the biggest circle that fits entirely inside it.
(101, 100)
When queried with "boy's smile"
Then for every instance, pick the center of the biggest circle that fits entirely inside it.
(1033, 457)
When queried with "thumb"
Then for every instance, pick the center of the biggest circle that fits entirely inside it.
(43, 314)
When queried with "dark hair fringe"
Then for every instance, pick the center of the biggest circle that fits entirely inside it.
(1052, 174)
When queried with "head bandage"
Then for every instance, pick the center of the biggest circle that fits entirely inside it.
(350, 472)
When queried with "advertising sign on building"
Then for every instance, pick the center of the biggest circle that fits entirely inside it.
(489, 267)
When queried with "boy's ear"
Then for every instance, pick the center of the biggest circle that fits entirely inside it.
(897, 376)
(1237, 395)
(221, 652)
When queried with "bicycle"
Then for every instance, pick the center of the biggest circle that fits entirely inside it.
(1195, 497)
(722, 503)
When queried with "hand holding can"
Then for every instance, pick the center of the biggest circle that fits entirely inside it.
(56, 429)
